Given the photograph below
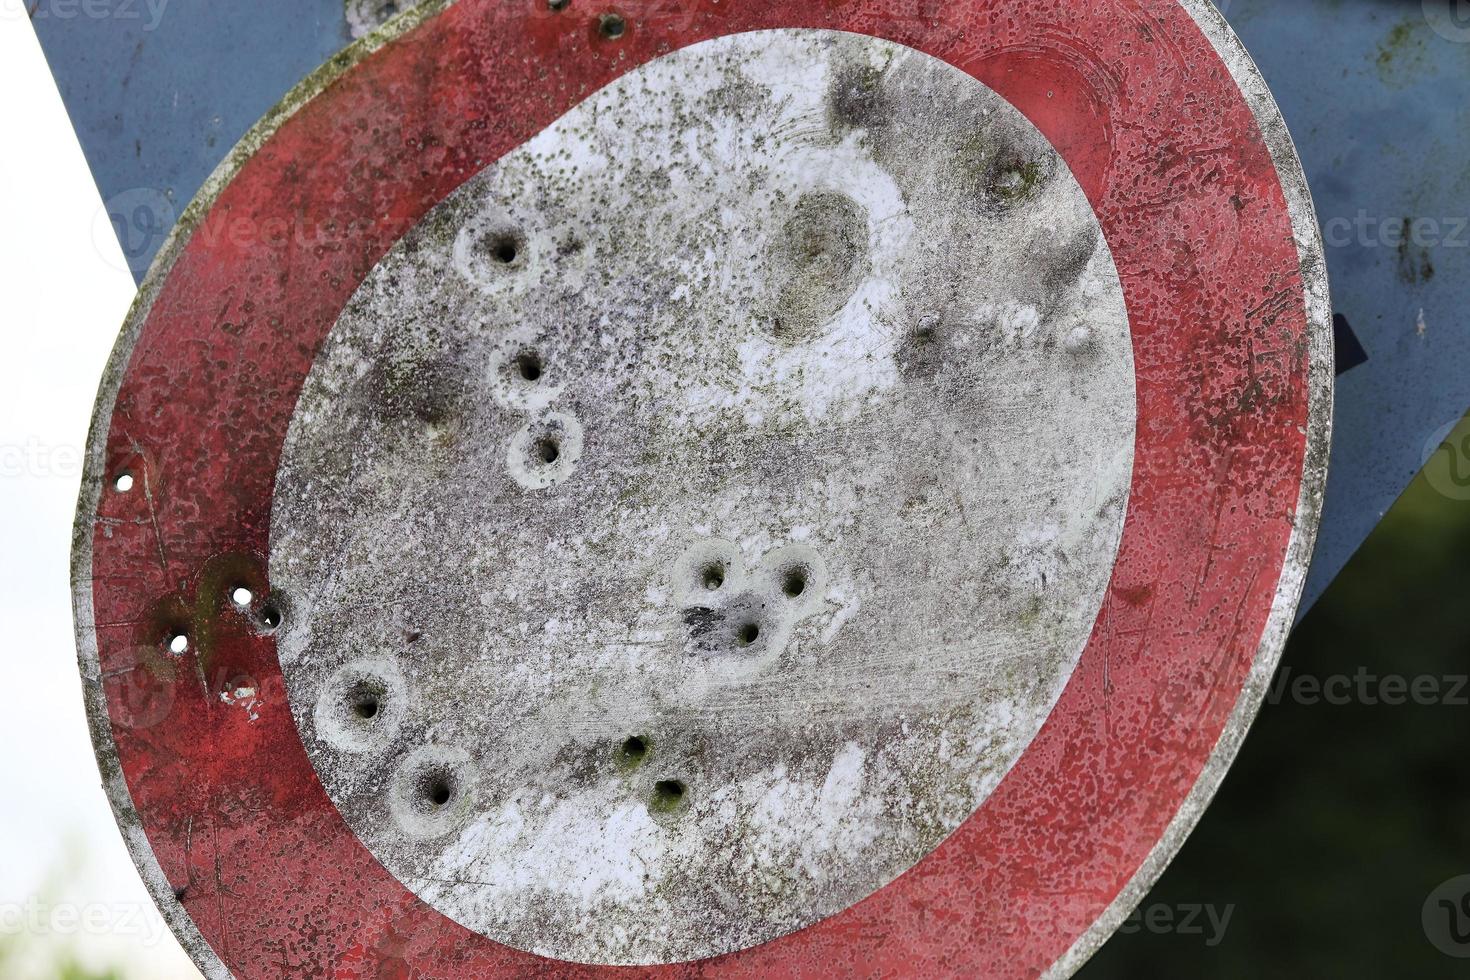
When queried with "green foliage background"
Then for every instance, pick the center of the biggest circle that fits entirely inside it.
(1337, 822)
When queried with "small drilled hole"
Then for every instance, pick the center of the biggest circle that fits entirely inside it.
(747, 634)
(634, 749)
(178, 643)
(124, 482)
(794, 582)
(270, 617)
(557, 6)
(242, 597)
(528, 366)
(668, 794)
(612, 26)
(547, 451)
(713, 577)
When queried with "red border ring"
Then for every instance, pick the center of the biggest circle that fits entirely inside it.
(1170, 132)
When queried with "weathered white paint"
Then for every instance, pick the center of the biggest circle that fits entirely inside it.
(808, 300)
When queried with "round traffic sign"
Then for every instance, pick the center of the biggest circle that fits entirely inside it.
(727, 490)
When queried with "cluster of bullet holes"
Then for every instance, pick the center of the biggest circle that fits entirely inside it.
(361, 710)
(730, 611)
(665, 796)
(733, 614)
(545, 450)
(264, 616)
(263, 612)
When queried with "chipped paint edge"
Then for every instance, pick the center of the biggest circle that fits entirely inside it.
(1308, 512)
(94, 471)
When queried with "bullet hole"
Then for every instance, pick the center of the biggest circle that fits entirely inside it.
(747, 633)
(612, 26)
(1012, 179)
(927, 330)
(365, 701)
(431, 789)
(857, 96)
(528, 366)
(437, 789)
(669, 795)
(712, 577)
(270, 616)
(546, 451)
(123, 483)
(633, 750)
(794, 582)
(242, 597)
(178, 644)
(503, 247)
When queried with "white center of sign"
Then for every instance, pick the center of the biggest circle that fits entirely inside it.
(691, 521)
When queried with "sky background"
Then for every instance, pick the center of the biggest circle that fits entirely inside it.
(64, 290)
